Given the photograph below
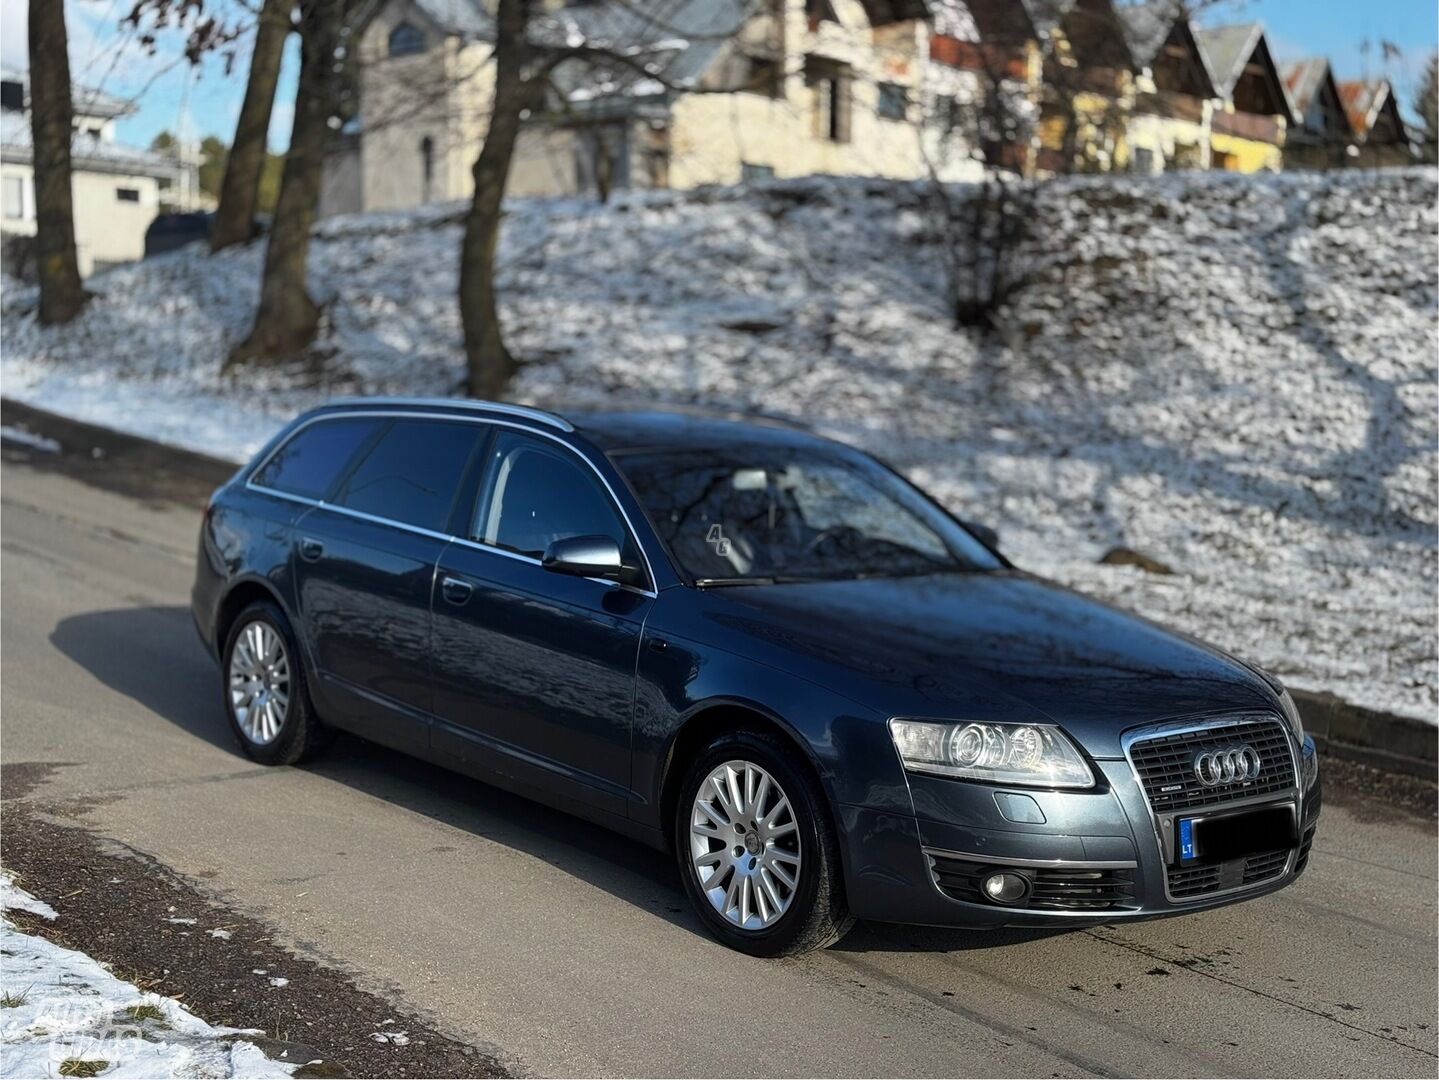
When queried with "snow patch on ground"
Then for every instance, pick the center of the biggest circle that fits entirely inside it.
(14, 898)
(59, 1005)
(1233, 375)
(20, 437)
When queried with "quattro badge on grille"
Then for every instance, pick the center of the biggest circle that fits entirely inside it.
(1229, 765)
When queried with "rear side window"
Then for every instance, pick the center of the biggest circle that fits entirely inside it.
(412, 473)
(537, 493)
(314, 457)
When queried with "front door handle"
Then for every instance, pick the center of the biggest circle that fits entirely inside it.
(455, 591)
(310, 550)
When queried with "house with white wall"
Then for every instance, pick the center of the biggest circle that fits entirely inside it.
(117, 189)
(741, 91)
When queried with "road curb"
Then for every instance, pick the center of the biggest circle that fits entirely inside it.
(79, 439)
(1381, 740)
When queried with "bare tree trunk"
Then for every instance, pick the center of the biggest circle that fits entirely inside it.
(234, 219)
(51, 121)
(488, 363)
(287, 318)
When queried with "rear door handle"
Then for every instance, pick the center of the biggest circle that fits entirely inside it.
(455, 591)
(310, 550)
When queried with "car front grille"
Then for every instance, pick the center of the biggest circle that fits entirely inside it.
(1076, 888)
(1164, 764)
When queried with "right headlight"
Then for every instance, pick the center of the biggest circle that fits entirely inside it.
(1038, 755)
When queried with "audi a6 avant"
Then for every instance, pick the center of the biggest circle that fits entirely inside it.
(759, 649)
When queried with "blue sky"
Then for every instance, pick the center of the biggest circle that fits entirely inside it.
(169, 94)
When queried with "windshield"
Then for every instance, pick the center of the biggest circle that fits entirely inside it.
(753, 515)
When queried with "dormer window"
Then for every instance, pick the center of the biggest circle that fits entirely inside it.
(406, 40)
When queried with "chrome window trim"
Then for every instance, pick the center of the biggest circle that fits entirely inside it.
(452, 538)
(1292, 797)
(1035, 864)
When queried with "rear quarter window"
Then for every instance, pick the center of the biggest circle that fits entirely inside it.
(311, 460)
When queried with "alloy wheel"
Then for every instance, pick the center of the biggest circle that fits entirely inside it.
(745, 845)
(260, 682)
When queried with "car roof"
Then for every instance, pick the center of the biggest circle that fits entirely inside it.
(620, 430)
(629, 431)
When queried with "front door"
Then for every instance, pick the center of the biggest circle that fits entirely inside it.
(534, 671)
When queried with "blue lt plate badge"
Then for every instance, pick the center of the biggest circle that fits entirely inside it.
(1186, 839)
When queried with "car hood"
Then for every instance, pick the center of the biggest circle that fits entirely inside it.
(992, 646)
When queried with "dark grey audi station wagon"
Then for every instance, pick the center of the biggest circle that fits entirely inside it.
(759, 649)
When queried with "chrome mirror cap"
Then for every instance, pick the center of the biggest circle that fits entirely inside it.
(584, 556)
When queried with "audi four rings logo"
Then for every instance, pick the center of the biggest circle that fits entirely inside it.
(1227, 766)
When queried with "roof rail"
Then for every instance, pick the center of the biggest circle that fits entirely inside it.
(525, 411)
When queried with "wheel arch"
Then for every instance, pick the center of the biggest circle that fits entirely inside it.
(241, 595)
(713, 718)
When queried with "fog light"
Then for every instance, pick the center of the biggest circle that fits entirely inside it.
(1005, 888)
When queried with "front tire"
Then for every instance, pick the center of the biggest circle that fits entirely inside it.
(756, 849)
(266, 699)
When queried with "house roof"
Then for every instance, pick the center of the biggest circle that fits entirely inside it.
(1226, 50)
(1304, 79)
(680, 40)
(1093, 27)
(1147, 26)
(86, 100)
(87, 153)
(1364, 100)
(1002, 22)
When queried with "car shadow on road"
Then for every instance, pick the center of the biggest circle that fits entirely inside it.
(153, 656)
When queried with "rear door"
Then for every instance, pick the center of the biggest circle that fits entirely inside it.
(364, 563)
(534, 671)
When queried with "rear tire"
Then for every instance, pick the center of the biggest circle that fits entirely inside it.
(266, 697)
(756, 848)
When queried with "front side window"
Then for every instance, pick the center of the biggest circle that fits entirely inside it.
(412, 473)
(536, 493)
(314, 457)
(760, 514)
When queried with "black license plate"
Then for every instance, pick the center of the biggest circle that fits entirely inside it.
(1232, 836)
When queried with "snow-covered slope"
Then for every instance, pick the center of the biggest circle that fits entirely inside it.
(1235, 376)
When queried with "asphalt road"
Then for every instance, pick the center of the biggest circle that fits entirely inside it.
(571, 950)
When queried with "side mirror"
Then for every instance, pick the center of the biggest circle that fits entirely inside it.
(983, 533)
(584, 556)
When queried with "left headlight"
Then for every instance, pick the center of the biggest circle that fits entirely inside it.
(1035, 754)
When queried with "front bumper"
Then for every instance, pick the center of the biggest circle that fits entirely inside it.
(1096, 857)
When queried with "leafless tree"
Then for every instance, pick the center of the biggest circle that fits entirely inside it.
(51, 122)
(235, 216)
(488, 362)
(287, 318)
(525, 62)
(1426, 104)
